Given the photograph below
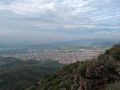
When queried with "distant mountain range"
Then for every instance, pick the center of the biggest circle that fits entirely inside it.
(73, 43)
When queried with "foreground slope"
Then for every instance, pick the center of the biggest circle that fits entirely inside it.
(16, 74)
(97, 74)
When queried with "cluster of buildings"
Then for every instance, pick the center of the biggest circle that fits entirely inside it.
(61, 55)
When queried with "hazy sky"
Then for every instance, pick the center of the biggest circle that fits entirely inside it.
(59, 20)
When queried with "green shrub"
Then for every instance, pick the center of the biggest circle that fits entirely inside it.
(113, 86)
(82, 69)
(114, 52)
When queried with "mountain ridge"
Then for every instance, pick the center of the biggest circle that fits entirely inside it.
(96, 74)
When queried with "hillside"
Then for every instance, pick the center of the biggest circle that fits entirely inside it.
(16, 74)
(98, 74)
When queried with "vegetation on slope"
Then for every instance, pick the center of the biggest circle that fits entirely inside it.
(113, 86)
(16, 74)
(97, 74)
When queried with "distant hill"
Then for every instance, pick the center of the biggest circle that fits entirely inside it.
(102, 73)
(16, 74)
(105, 43)
(73, 43)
